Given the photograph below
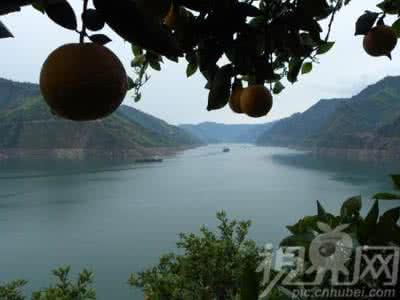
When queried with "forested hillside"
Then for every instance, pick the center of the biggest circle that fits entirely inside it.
(27, 126)
(365, 120)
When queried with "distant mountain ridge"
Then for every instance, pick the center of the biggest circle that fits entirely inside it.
(212, 133)
(368, 120)
(11, 92)
(27, 128)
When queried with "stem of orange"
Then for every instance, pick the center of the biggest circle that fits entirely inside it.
(83, 31)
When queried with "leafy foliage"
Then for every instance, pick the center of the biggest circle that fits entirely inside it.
(4, 32)
(259, 41)
(368, 20)
(12, 290)
(64, 289)
(374, 229)
(390, 196)
(208, 270)
(221, 265)
(263, 41)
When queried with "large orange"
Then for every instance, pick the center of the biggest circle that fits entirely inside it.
(256, 101)
(171, 18)
(83, 82)
(380, 41)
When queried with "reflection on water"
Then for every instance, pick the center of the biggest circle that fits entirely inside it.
(118, 217)
(355, 172)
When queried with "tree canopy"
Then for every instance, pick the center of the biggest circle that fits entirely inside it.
(267, 42)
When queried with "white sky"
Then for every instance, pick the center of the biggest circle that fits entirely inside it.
(343, 72)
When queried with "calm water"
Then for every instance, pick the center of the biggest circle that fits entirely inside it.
(118, 218)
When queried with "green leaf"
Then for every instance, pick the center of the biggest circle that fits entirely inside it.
(138, 61)
(396, 27)
(325, 47)
(249, 283)
(298, 240)
(396, 180)
(100, 39)
(131, 83)
(373, 214)
(93, 20)
(39, 6)
(137, 50)
(155, 65)
(191, 57)
(391, 217)
(62, 13)
(220, 88)
(391, 7)
(366, 22)
(321, 211)
(307, 68)
(173, 58)
(4, 32)
(370, 222)
(154, 60)
(307, 224)
(278, 88)
(351, 207)
(386, 196)
(191, 69)
(294, 69)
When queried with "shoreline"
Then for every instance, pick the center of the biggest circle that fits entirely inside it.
(88, 154)
(346, 153)
(359, 154)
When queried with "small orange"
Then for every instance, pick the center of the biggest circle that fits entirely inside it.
(234, 100)
(380, 41)
(172, 17)
(256, 101)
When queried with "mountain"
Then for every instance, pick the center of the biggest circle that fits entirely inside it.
(295, 129)
(362, 121)
(212, 133)
(13, 93)
(170, 133)
(27, 129)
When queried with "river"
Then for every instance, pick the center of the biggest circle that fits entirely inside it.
(117, 218)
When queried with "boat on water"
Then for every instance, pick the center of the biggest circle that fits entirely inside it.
(150, 160)
(226, 150)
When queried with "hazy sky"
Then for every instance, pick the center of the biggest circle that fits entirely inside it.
(342, 72)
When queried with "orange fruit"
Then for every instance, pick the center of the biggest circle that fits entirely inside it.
(177, 18)
(234, 100)
(256, 101)
(83, 82)
(380, 41)
(172, 17)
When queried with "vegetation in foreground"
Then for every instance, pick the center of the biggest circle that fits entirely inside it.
(225, 265)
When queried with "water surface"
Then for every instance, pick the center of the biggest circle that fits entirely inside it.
(117, 218)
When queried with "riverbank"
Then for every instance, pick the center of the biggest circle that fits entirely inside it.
(359, 154)
(369, 153)
(88, 154)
